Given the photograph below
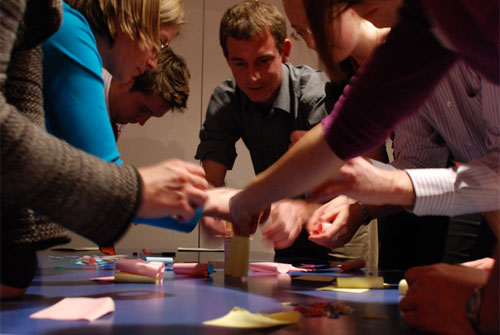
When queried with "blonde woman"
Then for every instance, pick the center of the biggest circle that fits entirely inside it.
(123, 37)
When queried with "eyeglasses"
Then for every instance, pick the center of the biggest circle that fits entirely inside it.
(164, 44)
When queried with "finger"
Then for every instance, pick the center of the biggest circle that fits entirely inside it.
(264, 215)
(283, 244)
(253, 224)
(329, 216)
(194, 195)
(273, 229)
(408, 304)
(214, 226)
(193, 168)
(315, 217)
(197, 181)
(182, 179)
(411, 318)
(241, 229)
(274, 236)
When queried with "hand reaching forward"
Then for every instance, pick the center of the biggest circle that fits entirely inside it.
(172, 187)
(245, 222)
(217, 211)
(361, 180)
(286, 221)
(334, 224)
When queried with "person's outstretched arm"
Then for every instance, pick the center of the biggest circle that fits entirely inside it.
(306, 165)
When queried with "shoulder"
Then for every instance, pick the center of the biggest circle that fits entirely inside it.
(305, 74)
(75, 41)
(307, 83)
(226, 93)
(75, 25)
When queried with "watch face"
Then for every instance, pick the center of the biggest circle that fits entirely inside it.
(473, 307)
(474, 301)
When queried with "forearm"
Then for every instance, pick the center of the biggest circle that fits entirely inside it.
(215, 172)
(362, 117)
(307, 164)
(400, 189)
(76, 190)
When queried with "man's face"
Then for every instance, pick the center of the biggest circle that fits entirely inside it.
(135, 107)
(296, 14)
(256, 66)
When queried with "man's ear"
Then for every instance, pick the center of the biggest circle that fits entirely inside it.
(287, 49)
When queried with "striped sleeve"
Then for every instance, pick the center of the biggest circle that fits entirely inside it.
(471, 187)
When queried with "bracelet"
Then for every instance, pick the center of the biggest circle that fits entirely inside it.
(367, 218)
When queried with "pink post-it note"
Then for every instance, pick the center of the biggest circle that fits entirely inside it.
(140, 267)
(191, 269)
(89, 309)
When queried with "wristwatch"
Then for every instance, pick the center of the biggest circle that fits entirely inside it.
(473, 307)
(367, 218)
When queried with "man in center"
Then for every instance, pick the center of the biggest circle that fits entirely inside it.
(265, 101)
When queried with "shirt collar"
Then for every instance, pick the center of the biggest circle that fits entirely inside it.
(282, 100)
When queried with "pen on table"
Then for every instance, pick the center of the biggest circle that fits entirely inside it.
(166, 260)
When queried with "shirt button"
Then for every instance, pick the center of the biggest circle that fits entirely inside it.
(449, 104)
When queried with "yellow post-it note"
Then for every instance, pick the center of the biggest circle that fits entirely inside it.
(345, 290)
(241, 318)
(237, 259)
(360, 282)
(315, 278)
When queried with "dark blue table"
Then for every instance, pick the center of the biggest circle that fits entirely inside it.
(181, 304)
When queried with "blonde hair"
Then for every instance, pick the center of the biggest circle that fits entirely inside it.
(139, 19)
(170, 80)
(172, 12)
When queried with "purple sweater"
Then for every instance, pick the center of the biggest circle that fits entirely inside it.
(404, 70)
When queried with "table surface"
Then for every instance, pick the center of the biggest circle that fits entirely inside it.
(181, 304)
